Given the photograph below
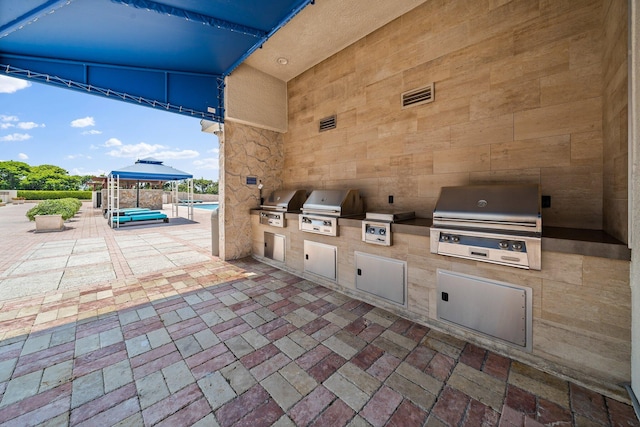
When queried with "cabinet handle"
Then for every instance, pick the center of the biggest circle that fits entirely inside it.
(359, 272)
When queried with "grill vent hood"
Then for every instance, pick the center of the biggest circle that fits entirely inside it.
(515, 207)
(338, 202)
(285, 200)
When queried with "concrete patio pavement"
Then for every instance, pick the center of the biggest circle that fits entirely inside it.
(89, 252)
(168, 335)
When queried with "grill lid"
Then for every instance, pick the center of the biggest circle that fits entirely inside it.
(490, 206)
(285, 200)
(334, 202)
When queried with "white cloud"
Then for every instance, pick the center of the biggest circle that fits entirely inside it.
(11, 85)
(181, 154)
(83, 123)
(113, 142)
(142, 150)
(83, 172)
(214, 151)
(78, 156)
(208, 163)
(135, 150)
(92, 132)
(15, 137)
(22, 156)
(7, 122)
(29, 125)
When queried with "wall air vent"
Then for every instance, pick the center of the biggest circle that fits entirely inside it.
(328, 123)
(419, 96)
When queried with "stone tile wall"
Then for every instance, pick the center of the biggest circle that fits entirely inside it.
(151, 199)
(518, 98)
(615, 120)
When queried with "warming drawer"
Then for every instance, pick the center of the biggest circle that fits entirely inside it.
(497, 309)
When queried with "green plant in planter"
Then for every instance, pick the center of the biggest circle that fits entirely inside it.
(65, 207)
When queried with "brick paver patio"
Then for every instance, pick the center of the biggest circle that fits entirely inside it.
(243, 344)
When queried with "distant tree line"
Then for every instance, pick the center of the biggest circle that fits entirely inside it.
(21, 176)
(200, 186)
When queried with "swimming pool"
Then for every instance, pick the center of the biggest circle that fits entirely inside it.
(207, 206)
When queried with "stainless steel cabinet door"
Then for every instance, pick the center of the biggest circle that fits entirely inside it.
(320, 259)
(274, 246)
(383, 277)
(501, 310)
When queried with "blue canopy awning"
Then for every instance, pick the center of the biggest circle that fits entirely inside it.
(150, 169)
(167, 54)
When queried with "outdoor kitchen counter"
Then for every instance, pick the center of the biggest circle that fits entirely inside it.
(595, 243)
(577, 241)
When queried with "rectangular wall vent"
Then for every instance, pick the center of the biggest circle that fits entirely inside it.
(419, 96)
(328, 123)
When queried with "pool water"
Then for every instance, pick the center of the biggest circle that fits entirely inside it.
(207, 206)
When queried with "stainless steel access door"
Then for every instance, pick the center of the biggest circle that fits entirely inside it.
(498, 309)
(321, 259)
(382, 277)
(274, 246)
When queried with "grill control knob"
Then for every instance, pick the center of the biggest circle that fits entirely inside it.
(445, 237)
(382, 231)
(306, 220)
(504, 244)
(372, 230)
(328, 223)
(517, 246)
(455, 239)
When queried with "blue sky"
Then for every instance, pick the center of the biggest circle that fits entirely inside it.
(92, 135)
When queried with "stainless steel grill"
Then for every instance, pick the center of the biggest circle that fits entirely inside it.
(321, 210)
(500, 224)
(278, 204)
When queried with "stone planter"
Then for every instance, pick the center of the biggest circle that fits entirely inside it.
(18, 201)
(46, 223)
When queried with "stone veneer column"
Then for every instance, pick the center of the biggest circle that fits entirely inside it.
(245, 151)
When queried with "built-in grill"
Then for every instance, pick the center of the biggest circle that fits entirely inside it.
(376, 227)
(321, 210)
(500, 224)
(278, 204)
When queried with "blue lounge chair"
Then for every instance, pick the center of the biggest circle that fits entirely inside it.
(141, 217)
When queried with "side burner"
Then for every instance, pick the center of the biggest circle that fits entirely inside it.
(376, 227)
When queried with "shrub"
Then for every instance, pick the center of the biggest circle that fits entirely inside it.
(67, 207)
(46, 195)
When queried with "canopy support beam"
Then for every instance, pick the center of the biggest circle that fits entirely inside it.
(33, 14)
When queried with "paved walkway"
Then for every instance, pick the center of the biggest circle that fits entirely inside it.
(216, 343)
(89, 252)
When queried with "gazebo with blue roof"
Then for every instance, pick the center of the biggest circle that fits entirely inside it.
(149, 170)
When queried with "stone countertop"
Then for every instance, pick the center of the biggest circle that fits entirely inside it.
(595, 243)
